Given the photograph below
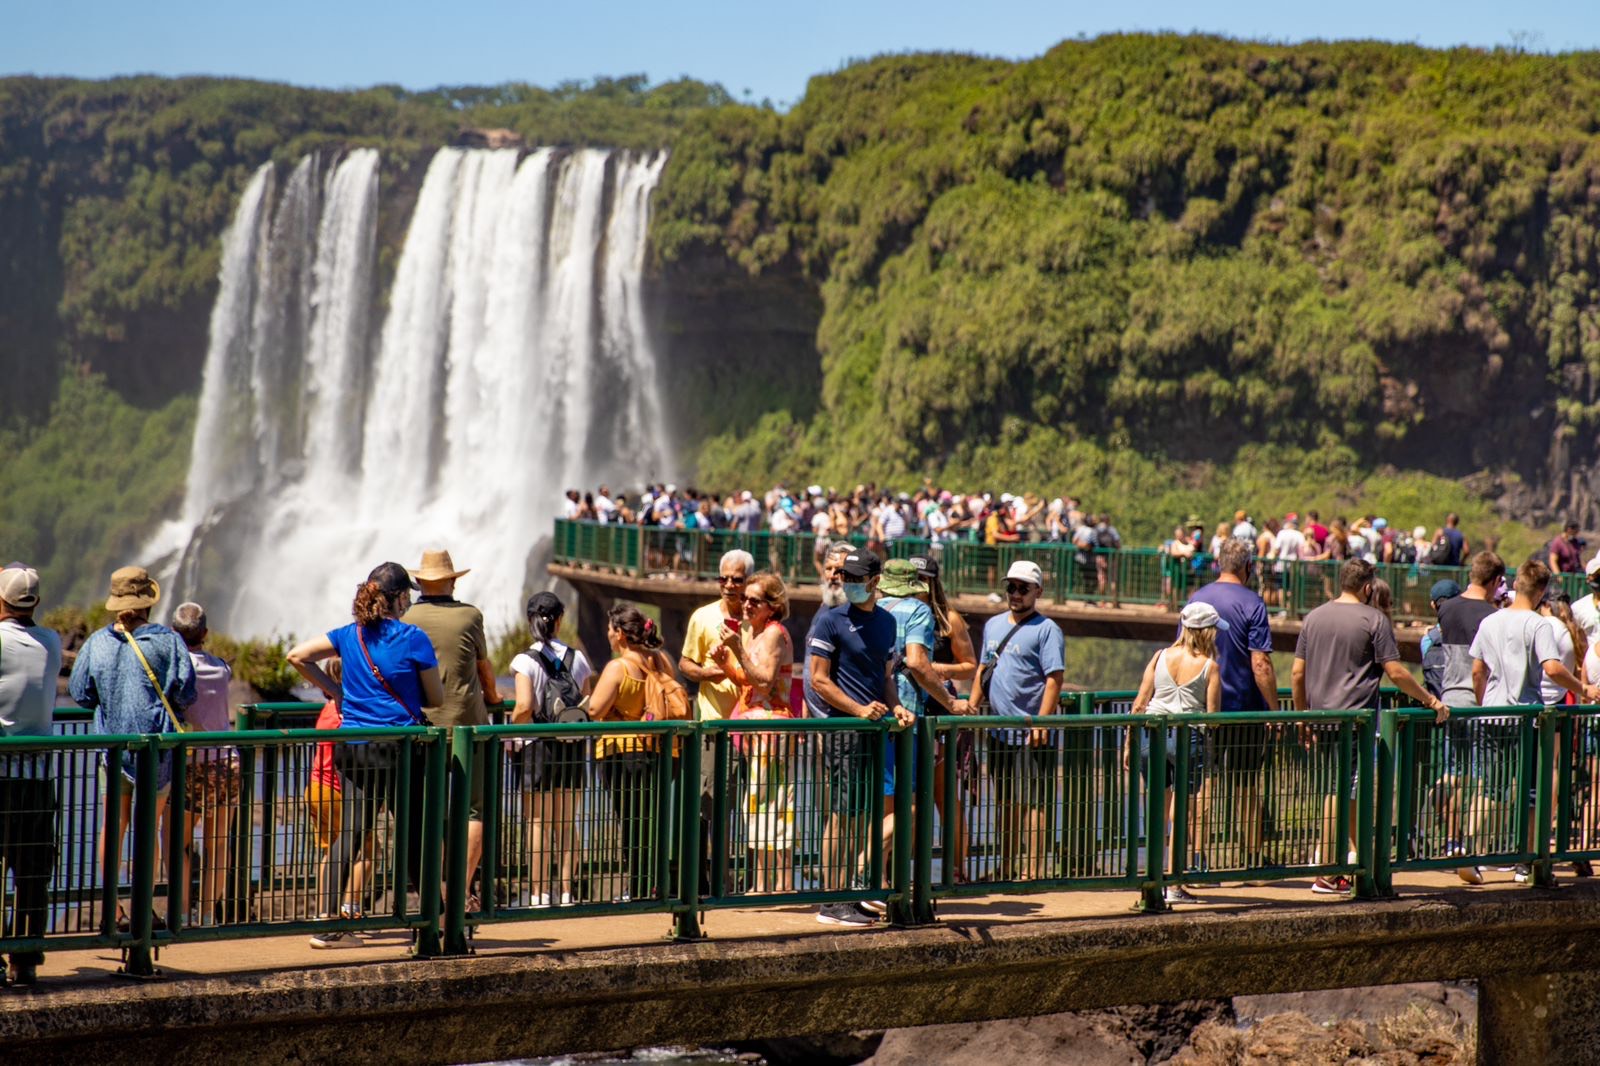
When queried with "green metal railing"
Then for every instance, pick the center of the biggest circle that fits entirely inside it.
(237, 834)
(1139, 576)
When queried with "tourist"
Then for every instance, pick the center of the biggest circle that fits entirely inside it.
(455, 630)
(572, 506)
(555, 767)
(956, 663)
(1513, 654)
(1243, 528)
(1218, 538)
(1181, 679)
(707, 626)
(1288, 548)
(1454, 542)
(832, 595)
(1433, 653)
(211, 792)
(1460, 615)
(747, 516)
(30, 662)
(848, 658)
(1266, 575)
(1345, 651)
(390, 673)
(627, 763)
(1106, 541)
(1566, 551)
(1586, 610)
(332, 805)
(1243, 651)
(1573, 646)
(764, 673)
(1025, 656)
(138, 678)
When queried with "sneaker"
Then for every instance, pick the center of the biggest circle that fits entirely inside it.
(542, 899)
(335, 939)
(1472, 875)
(1177, 894)
(1452, 848)
(846, 914)
(566, 899)
(1520, 874)
(1331, 886)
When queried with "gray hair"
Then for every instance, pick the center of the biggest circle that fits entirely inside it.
(189, 622)
(740, 556)
(1233, 557)
(838, 547)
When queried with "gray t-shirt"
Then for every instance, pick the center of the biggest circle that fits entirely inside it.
(1345, 646)
(1514, 645)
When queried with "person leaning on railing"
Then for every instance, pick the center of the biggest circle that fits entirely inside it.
(30, 662)
(390, 672)
(138, 678)
(1345, 651)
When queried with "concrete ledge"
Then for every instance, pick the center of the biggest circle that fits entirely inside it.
(504, 1006)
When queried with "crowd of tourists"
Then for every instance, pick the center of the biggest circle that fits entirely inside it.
(886, 643)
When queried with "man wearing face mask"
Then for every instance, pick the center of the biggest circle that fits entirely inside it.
(848, 660)
(1345, 652)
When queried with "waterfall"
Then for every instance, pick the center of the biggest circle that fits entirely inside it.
(513, 361)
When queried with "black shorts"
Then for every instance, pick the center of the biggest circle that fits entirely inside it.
(847, 761)
(548, 765)
(1022, 775)
(1238, 750)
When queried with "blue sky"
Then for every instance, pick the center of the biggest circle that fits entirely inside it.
(768, 48)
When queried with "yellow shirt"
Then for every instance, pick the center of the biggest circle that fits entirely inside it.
(717, 698)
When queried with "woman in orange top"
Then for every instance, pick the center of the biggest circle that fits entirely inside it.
(765, 672)
(627, 763)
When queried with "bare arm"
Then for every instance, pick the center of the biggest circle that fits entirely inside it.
(1557, 671)
(921, 669)
(1297, 684)
(965, 668)
(304, 658)
(523, 711)
(1480, 679)
(605, 690)
(491, 691)
(432, 687)
(700, 674)
(1147, 685)
(1266, 677)
(762, 659)
(1396, 671)
(1214, 689)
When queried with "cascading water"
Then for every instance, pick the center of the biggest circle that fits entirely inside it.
(513, 362)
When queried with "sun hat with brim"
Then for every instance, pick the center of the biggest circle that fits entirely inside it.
(19, 586)
(132, 588)
(1201, 616)
(437, 566)
(900, 579)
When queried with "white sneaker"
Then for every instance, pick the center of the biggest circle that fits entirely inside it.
(542, 900)
(566, 899)
(1177, 894)
(1520, 875)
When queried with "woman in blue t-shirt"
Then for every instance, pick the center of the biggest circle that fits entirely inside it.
(389, 673)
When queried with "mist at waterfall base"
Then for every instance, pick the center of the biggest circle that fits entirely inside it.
(513, 362)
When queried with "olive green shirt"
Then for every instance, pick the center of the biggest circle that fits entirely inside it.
(456, 631)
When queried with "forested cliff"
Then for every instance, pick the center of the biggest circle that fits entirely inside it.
(1165, 273)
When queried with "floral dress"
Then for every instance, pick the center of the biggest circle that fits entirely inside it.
(769, 792)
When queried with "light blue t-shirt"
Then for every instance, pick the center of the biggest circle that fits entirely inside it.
(913, 624)
(1037, 650)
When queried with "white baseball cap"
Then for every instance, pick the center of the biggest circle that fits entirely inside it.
(1594, 566)
(1025, 570)
(1201, 616)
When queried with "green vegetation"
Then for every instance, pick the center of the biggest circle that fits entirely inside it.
(1174, 273)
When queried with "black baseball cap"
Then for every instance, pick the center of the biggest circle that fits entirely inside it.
(926, 565)
(862, 563)
(392, 578)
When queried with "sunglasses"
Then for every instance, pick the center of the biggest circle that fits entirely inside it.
(726, 580)
(754, 601)
(1018, 588)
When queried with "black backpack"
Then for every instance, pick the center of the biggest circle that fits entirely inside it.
(1107, 538)
(562, 702)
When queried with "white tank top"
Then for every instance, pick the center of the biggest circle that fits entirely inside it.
(1173, 698)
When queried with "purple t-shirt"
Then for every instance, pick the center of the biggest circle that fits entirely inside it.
(1247, 631)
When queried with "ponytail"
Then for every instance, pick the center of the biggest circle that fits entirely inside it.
(639, 631)
(371, 605)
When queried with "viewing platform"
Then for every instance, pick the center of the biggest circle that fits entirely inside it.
(676, 570)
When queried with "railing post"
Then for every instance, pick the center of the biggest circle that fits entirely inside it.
(177, 843)
(922, 874)
(1384, 821)
(721, 763)
(433, 821)
(1153, 896)
(686, 920)
(1180, 799)
(1543, 868)
(1564, 766)
(1344, 778)
(876, 875)
(907, 818)
(145, 828)
(111, 843)
(455, 839)
(1366, 766)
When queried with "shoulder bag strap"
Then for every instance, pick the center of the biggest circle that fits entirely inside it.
(1002, 645)
(151, 674)
(378, 676)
